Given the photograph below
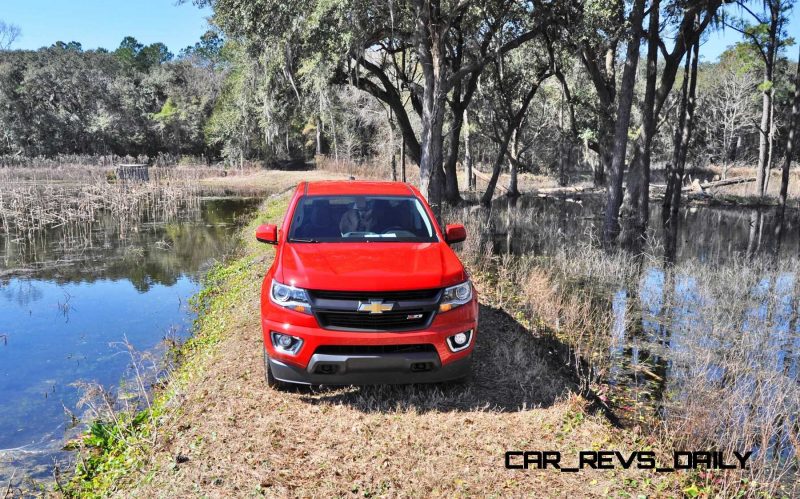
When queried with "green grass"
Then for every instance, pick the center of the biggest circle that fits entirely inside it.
(111, 449)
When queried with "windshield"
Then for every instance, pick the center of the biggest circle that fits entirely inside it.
(360, 218)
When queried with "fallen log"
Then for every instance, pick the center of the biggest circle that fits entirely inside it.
(543, 192)
(697, 186)
(488, 178)
(551, 191)
(700, 187)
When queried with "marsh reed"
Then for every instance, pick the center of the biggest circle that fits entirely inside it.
(31, 201)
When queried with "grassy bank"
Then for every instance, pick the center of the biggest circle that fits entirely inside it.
(119, 445)
(215, 429)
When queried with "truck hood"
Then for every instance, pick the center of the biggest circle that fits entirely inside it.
(378, 266)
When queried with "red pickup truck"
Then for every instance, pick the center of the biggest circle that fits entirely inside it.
(365, 289)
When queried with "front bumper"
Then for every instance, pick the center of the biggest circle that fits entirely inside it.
(358, 368)
(393, 368)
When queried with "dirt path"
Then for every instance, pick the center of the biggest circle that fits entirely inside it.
(227, 435)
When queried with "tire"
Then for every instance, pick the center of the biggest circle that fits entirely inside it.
(272, 381)
(466, 379)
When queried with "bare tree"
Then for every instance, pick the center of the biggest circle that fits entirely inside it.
(728, 106)
(8, 34)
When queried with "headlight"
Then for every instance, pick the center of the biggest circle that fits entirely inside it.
(290, 297)
(455, 296)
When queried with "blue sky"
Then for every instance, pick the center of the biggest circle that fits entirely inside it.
(103, 23)
(716, 42)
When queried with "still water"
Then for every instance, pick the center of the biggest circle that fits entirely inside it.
(69, 300)
(711, 234)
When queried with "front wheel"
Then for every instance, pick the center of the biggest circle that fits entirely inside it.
(272, 381)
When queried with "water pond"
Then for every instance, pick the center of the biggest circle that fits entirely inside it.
(74, 299)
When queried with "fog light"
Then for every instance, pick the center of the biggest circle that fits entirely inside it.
(459, 341)
(285, 343)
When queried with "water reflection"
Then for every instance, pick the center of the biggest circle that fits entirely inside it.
(708, 233)
(68, 298)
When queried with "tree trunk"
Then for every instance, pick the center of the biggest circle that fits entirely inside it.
(561, 148)
(638, 193)
(763, 141)
(770, 142)
(766, 103)
(403, 161)
(458, 106)
(513, 191)
(512, 125)
(430, 50)
(677, 140)
(468, 153)
(451, 193)
(787, 160)
(685, 135)
(318, 125)
(624, 103)
(391, 146)
(486, 199)
(604, 154)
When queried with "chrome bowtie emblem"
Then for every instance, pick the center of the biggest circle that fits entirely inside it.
(374, 306)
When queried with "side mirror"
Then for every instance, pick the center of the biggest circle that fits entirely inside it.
(455, 233)
(267, 234)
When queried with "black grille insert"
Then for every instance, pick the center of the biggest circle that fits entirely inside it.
(403, 320)
(410, 295)
(372, 349)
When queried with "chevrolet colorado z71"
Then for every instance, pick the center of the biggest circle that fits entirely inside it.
(365, 289)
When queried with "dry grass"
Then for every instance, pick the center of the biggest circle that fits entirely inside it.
(241, 438)
(267, 181)
(378, 170)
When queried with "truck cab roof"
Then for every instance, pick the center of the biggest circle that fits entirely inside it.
(356, 187)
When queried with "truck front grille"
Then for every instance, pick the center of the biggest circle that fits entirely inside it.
(403, 320)
(406, 310)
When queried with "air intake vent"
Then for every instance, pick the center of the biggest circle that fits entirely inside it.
(373, 349)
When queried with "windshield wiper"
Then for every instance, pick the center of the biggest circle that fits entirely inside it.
(300, 240)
